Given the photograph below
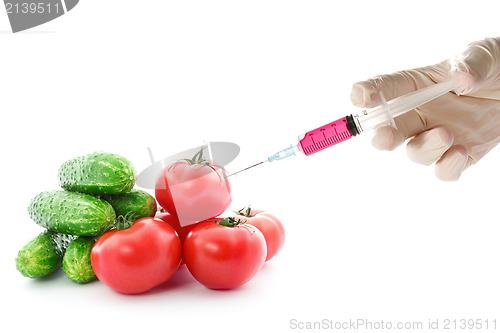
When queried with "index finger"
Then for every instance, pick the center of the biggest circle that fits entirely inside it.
(366, 94)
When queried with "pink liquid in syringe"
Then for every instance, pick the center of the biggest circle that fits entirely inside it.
(326, 136)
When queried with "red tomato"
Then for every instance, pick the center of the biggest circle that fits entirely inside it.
(193, 192)
(269, 225)
(174, 223)
(134, 260)
(222, 257)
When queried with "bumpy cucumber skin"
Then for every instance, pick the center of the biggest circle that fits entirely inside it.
(76, 261)
(97, 173)
(42, 255)
(71, 213)
(133, 205)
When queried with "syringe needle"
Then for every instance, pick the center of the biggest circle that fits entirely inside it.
(290, 151)
(246, 168)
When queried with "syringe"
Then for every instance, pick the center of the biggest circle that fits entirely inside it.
(345, 128)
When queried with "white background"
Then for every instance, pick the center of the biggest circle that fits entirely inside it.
(370, 235)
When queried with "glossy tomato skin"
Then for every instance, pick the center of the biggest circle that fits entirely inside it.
(271, 227)
(173, 221)
(137, 259)
(221, 257)
(193, 192)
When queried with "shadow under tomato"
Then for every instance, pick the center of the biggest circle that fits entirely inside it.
(180, 279)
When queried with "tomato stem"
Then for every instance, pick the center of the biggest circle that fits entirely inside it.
(229, 222)
(198, 159)
(245, 211)
(124, 222)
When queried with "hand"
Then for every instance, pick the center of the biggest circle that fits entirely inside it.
(453, 131)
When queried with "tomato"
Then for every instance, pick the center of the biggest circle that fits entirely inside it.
(174, 223)
(193, 190)
(269, 225)
(136, 259)
(224, 257)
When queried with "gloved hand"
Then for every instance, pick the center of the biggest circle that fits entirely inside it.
(455, 130)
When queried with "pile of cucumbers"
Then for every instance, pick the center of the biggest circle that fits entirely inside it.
(97, 192)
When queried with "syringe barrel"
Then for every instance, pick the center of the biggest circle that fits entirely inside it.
(371, 118)
(328, 135)
(402, 104)
(384, 113)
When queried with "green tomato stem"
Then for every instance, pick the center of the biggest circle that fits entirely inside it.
(123, 222)
(245, 211)
(230, 222)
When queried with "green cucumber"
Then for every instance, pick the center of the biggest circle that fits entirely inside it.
(76, 261)
(132, 205)
(71, 213)
(42, 255)
(97, 173)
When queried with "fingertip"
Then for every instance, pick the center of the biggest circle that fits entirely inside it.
(357, 95)
(387, 138)
(363, 94)
(429, 146)
(452, 164)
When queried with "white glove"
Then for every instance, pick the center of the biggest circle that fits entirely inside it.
(455, 130)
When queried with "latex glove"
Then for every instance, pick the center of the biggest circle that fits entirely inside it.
(453, 131)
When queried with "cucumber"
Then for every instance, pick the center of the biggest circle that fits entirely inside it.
(42, 255)
(71, 213)
(97, 173)
(76, 261)
(132, 205)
